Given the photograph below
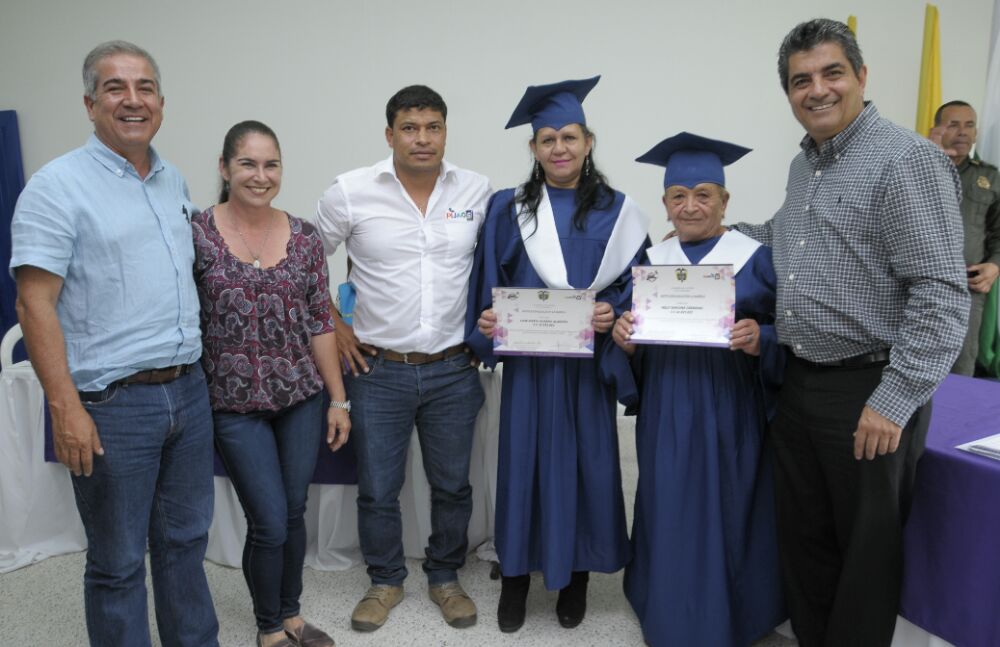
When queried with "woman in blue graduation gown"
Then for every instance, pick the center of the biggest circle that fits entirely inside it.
(705, 564)
(559, 499)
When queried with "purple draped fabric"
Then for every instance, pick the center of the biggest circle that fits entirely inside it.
(951, 576)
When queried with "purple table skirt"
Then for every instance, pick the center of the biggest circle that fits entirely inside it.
(951, 578)
(332, 468)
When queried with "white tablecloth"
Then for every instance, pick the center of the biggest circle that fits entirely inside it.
(38, 517)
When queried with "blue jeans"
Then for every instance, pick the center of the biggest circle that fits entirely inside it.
(270, 457)
(442, 398)
(154, 481)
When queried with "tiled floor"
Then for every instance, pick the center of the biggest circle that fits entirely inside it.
(43, 604)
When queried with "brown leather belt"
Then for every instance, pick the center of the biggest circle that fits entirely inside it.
(415, 359)
(157, 375)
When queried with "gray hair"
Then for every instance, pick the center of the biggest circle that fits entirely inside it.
(807, 35)
(111, 48)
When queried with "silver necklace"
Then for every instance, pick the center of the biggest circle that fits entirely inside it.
(263, 243)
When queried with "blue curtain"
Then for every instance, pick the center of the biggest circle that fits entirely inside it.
(11, 183)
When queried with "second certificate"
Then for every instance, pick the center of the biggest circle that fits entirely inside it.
(544, 322)
(687, 305)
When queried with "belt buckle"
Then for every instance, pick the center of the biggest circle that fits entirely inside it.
(406, 359)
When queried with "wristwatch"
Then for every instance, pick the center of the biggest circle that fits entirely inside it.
(341, 404)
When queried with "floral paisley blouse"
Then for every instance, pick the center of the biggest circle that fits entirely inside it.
(256, 323)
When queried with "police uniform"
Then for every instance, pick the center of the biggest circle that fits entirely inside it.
(981, 223)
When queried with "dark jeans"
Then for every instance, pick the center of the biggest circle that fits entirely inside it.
(839, 519)
(270, 457)
(442, 398)
(154, 482)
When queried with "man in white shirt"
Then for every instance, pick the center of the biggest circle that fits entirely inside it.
(410, 224)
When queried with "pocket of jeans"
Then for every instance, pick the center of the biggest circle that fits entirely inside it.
(372, 362)
(91, 399)
(460, 362)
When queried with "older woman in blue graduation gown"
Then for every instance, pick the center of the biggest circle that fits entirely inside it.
(705, 564)
(559, 499)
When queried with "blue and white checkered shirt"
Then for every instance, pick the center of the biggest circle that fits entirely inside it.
(868, 253)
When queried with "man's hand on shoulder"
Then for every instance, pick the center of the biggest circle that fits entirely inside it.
(876, 435)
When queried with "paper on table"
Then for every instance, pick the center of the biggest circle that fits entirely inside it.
(988, 447)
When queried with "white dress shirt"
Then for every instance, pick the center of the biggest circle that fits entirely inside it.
(410, 270)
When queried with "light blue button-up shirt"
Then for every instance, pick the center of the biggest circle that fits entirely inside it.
(122, 245)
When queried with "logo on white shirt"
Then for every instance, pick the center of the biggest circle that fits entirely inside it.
(452, 214)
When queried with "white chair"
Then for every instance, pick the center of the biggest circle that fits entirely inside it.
(10, 338)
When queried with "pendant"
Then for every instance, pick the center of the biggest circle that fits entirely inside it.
(256, 263)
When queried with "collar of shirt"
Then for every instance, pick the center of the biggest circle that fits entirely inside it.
(118, 164)
(833, 148)
(386, 169)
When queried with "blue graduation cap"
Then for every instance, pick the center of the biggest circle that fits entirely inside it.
(554, 105)
(693, 159)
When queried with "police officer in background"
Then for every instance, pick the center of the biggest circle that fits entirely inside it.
(955, 131)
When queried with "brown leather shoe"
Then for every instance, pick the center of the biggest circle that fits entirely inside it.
(309, 636)
(457, 607)
(373, 610)
(284, 642)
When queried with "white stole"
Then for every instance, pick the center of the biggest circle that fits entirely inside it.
(541, 242)
(733, 249)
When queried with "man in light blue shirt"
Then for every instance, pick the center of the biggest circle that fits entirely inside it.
(103, 256)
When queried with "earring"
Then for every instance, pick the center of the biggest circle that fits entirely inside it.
(586, 165)
(537, 174)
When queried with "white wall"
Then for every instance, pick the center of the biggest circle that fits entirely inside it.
(319, 72)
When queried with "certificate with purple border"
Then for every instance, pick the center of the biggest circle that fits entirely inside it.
(684, 305)
(543, 321)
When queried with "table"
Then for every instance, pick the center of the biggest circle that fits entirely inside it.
(38, 516)
(951, 574)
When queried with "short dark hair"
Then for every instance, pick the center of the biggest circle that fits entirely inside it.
(945, 106)
(807, 35)
(232, 141)
(414, 96)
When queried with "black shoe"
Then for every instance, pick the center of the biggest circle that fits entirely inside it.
(572, 603)
(513, 597)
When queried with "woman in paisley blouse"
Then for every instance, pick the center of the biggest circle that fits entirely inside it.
(269, 350)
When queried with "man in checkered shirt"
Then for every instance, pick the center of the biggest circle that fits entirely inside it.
(872, 303)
